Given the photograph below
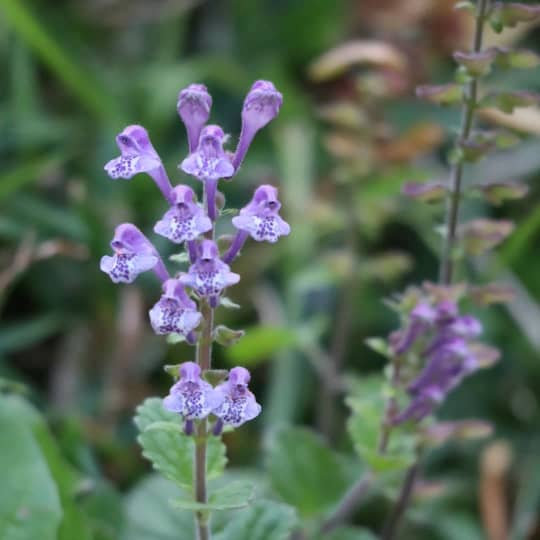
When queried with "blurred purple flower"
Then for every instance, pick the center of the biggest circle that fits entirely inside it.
(448, 355)
(194, 104)
(192, 397)
(186, 220)
(209, 163)
(133, 254)
(209, 275)
(261, 106)
(175, 312)
(238, 403)
(138, 156)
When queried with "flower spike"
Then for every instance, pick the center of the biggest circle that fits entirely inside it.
(186, 220)
(238, 403)
(137, 155)
(261, 106)
(194, 104)
(133, 254)
(191, 397)
(209, 275)
(175, 312)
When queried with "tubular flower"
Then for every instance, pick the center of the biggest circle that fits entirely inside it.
(186, 220)
(238, 404)
(137, 155)
(175, 312)
(209, 275)
(194, 104)
(261, 106)
(191, 397)
(449, 357)
(133, 254)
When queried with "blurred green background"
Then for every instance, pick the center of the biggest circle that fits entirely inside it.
(74, 73)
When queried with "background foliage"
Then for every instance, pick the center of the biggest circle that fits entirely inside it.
(80, 351)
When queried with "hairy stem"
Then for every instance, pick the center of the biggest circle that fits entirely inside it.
(348, 504)
(446, 266)
(204, 359)
(456, 172)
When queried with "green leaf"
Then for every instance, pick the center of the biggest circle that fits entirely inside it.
(169, 449)
(232, 496)
(227, 303)
(227, 336)
(265, 520)
(149, 515)
(260, 343)
(304, 472)
(30, 28)
(349, 533)
(30, 504)
(367, 403)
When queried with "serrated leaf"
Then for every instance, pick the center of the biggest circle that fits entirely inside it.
(170, 450)
(232, 496)
(305, 472)
(367, 403)
(265, 520)
(261, 343)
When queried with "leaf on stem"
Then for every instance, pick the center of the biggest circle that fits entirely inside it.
(428, 192)
(477, 64)
(227, 336)
(234, 495)
(169, 449)
(508, 101)
(498, 192)
(480, 235)
(492, 293)
(508, 15)
(444, 94)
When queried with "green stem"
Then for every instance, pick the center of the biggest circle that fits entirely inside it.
(456, 172)
(447, 266)
(204, 359)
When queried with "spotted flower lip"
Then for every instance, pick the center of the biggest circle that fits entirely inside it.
(186, 220)
(261, 106)
(209, 161)
(192, 397)
(209, 275)
(175, 312)
(194, 104)
(133, 254)
(260, 218)
(137, 155)
(238, 402)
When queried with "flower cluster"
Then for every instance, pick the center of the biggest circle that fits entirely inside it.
(444, 340)
(230, 402)
(189, 223)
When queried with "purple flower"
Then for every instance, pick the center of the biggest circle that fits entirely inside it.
(192, 397)
(261, 106)
(209, 163)
(133, 254)
(421, 318)
(175, 312)
(137, 155)
(260, 218)
(209, 275)
(238, 404)
(194, 104)
(186, 220)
